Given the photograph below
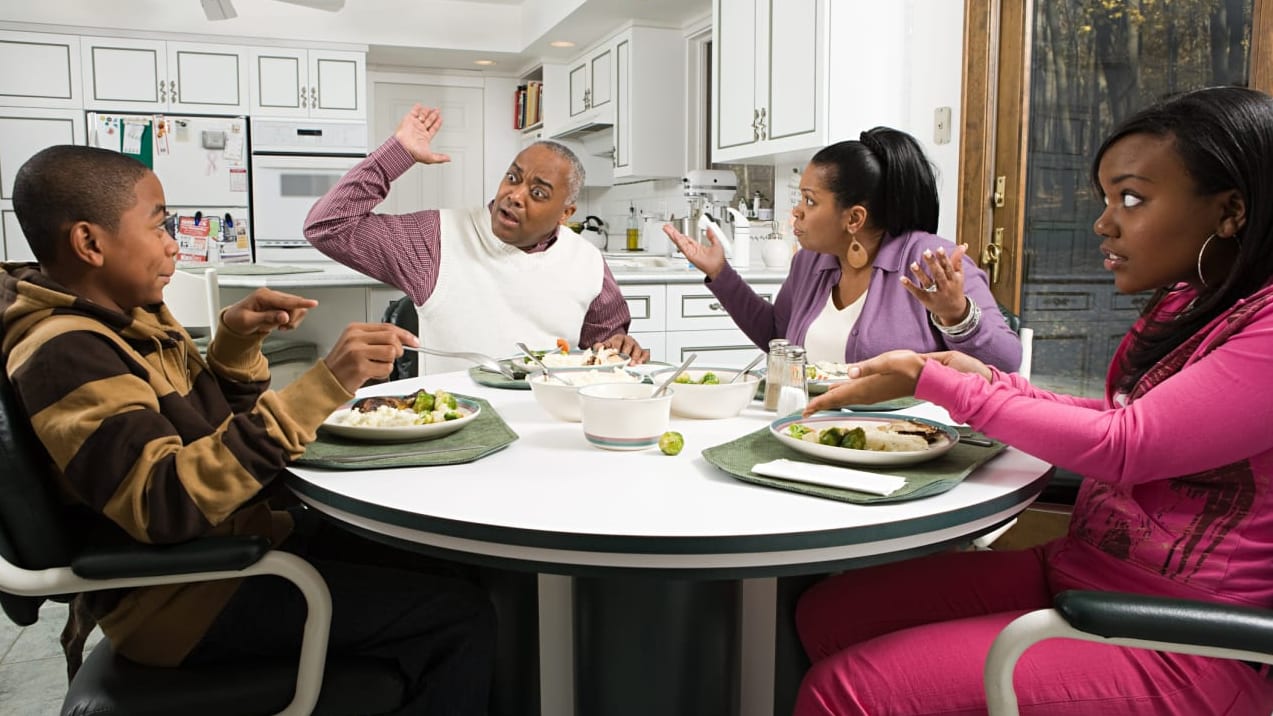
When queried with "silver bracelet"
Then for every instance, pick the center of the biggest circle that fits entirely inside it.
(967, 325)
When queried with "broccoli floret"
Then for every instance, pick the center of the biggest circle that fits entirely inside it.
(831, 436)
(854, 439)
(709, 378)
(443, 399)
(423, 402)
(810, 372)
(452, 415)
(683, 379)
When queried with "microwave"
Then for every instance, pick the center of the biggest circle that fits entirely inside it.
(284, 188)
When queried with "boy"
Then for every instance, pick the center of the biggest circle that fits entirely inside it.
(156, 445)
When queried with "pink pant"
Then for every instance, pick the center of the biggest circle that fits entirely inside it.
(912, 637)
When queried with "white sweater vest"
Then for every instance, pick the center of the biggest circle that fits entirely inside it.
(489, 295)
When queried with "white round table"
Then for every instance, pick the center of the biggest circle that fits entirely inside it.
(656, 573)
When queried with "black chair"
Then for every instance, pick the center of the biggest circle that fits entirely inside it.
(39, 560)
(1164, 624)
(401, 312)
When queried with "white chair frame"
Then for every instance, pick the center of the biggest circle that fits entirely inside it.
(313, 655)
(1033, 627)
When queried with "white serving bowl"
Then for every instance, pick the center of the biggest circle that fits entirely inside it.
(623, 416)
(710, 402)
(562, 401)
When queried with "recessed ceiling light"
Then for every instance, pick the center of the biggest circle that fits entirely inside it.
(561, 43)
(483, 62)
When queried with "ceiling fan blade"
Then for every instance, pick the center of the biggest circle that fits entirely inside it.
(324, 5)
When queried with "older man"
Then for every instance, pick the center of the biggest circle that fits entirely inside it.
(483, 278)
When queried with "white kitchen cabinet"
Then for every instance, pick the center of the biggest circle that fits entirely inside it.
(330, 84)
(769, 74)
(649, 112)
(590, 82)
(23, 132)
(41, 70)
(647, 304)
(636, 124)
(655, 343)
(697, 323)
(129, 74)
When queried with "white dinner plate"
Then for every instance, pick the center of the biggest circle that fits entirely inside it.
(849, 456)
(406, 433)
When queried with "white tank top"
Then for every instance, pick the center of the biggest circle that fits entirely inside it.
(828, 335)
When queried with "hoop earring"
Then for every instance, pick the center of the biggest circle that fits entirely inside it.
(857, 256)
(1202, 251)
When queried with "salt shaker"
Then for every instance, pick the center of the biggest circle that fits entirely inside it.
(793, 394)
(773, 372)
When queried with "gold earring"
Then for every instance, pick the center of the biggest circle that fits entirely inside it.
(857, 257)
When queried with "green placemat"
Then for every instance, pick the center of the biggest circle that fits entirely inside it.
(496, 380)
(923, 480)
(485, 435)
(254, 269)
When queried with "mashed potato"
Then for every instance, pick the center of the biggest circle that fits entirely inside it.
(387, 417)
(605, 356)
(593, 377)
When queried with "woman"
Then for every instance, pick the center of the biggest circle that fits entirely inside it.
(867, 213)
(1178, 499)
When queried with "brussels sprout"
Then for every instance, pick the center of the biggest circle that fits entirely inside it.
(444, 399)
(671, 443)
(423, 402)
(452, 415)
(831, 436)
(683, 379)
(854, 439)
(709, 378)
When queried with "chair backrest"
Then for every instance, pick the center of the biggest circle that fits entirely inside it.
(34, 530)
(194, 299)
(401, 312)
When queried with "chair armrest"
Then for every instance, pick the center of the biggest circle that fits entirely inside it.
(1163, 619)
(208, 554)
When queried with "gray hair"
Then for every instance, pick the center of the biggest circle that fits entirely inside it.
(575, 180)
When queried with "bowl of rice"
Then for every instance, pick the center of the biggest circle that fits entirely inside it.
(560, 398)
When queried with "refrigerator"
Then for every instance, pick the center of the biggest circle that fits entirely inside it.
(203, 164)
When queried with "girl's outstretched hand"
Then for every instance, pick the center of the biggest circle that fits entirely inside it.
(889, 376)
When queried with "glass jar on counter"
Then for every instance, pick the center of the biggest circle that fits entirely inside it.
(793, 391)
(773, 371)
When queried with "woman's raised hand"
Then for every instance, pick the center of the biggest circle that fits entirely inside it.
(709, 259)
(939, 284)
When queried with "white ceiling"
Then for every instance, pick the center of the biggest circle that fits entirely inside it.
(406, 33)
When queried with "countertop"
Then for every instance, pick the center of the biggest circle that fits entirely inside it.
(335, 275)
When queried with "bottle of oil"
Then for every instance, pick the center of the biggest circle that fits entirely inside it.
(634, 229)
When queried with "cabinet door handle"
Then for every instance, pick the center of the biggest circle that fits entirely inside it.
(763, 133)
(304, 100)
(163, 92)
(172, 91)
(313, 97)
(713, 306)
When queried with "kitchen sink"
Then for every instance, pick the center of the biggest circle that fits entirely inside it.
(637, 262)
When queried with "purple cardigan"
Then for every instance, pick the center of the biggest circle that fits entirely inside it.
(890, 319)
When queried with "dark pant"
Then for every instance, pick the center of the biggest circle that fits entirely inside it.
(386, 603)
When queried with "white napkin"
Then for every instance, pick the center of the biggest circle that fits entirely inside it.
(832, 476)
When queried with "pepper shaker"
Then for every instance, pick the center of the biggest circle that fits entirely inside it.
(773, 372)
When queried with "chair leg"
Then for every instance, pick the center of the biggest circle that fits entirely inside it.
(79, 624)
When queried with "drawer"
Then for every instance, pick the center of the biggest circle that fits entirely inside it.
(693, 307)
(721, 348)
(648, 306)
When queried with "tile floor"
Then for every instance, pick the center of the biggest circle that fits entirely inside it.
(32, 669)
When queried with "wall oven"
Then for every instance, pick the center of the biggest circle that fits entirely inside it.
(294, 163)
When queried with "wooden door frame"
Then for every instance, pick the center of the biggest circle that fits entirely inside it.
(997, 44)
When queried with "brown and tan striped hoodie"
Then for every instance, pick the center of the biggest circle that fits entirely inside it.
(157, 444)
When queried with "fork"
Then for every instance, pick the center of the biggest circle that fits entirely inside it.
(485, 361)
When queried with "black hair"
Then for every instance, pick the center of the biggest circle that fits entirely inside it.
(1224, 137)
(65, 184)
(886, 172)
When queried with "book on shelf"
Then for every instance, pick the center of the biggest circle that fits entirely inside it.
(527, 104)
